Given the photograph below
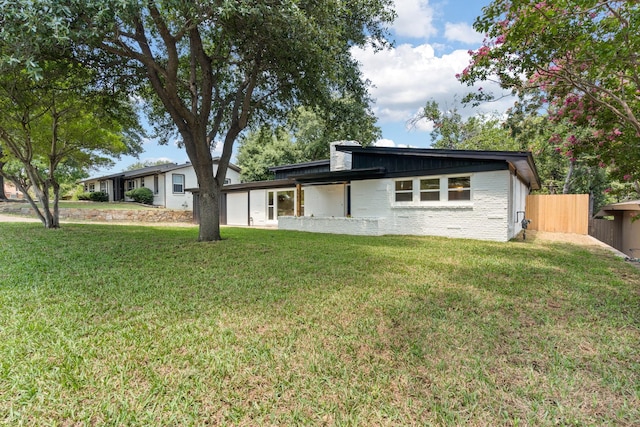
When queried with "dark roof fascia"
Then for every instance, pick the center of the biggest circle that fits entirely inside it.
(340, 176)
(300, 165)
(480, 167)
(256, 185)
(521, 160)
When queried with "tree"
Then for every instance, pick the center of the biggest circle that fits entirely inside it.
(59, 125)
(452, 131)
(146, 164)
(212, 68)
(305, 137)
(583, 55)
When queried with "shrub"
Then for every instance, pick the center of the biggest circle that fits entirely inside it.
(84, 196)
(141, 195)
(99, 196)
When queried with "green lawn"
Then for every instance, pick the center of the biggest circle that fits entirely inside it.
(108, 325)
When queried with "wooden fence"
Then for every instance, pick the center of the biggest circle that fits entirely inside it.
(607, 231)
(559, 213)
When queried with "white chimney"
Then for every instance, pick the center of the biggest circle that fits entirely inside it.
(341, 160)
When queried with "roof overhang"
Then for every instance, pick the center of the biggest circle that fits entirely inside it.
(522, 161)
(335, 177)
(630, 206)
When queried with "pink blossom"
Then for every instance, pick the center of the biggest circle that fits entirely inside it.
(626, 177)
(607, 190)
(501, 38)
(602, 165)
(617, 132)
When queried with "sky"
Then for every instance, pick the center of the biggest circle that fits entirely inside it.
(432, 39)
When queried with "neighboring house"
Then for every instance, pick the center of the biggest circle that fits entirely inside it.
(624, 230)
(11, 191)
(168, 182)
(377, 191)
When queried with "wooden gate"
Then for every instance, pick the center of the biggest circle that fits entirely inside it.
(558, 213)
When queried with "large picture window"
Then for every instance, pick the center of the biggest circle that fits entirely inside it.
(280, 203)
(460, 188)
(178, 183)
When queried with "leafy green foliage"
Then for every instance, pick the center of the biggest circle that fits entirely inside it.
(94, 196)
(141, 195)
(306, 137)
(53, 130)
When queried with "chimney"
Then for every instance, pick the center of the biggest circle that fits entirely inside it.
(341, 160)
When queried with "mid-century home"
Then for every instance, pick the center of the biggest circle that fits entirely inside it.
(377, 191)
(168, 182)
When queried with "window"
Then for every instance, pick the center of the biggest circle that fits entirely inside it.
(404, 191)
(280, 203)
(270, 205)
(103, 186)
(131, 184)
(155, 184)
(142, 182)
(460, 188)
(178, 183)
(286, 205)
(92, 188)
(227, 181)
(430, 189)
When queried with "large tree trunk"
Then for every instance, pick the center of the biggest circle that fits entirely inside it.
(209, 196)
(2, 195)
(209, 210)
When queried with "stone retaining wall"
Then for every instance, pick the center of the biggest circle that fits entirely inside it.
(107, 215)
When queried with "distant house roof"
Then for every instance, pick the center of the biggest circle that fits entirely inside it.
(153, 170)
(630, 205)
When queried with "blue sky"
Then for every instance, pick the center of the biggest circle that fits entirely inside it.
(432, 39)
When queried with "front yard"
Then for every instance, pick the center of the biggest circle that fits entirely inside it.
(102, 324)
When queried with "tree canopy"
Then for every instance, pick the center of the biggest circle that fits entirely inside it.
(582, 55)
(211, 68)
(306, 136)
(59, 126)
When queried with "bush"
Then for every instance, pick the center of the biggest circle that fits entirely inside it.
(84, 196)
(141, 195)
(99, 196)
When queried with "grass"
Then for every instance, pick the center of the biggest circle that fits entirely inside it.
(108, 325)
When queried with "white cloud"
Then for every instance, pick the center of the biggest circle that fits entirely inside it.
(415, 19)
(462, 32)
(384, 143)
(406, 77)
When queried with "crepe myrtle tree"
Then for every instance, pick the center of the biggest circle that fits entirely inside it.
(209, 68)
(583, 56)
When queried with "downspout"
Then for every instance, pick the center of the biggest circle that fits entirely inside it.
(249, 208)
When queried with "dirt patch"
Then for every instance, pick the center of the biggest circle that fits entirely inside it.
(576, 239)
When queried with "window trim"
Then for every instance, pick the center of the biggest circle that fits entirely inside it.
(403, 191)
(181, 184)
(443, 192)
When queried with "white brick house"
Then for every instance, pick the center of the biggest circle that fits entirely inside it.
(168, 182)
(377, 191)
